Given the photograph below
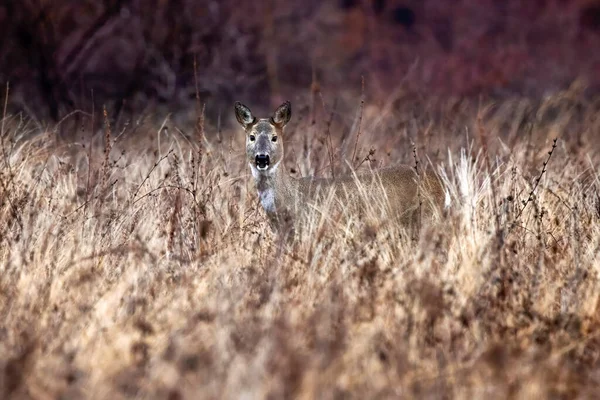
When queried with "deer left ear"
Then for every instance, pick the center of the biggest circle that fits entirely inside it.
(243, 115)
(282, 115)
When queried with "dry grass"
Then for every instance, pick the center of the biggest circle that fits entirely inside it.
(132, 269)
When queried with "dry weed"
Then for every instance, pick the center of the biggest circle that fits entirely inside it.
(148, 271)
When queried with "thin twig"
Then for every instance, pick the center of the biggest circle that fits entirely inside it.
(367, 158)
(537, 181)
(6, 160)
(107, 147)
(328, 140)
(150, 173)
(90, 163)
(360, 117)
(414, 146)
(314, 89)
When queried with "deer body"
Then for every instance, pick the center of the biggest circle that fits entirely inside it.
(398, 191)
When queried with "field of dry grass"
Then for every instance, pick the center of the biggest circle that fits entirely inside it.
(139, 264)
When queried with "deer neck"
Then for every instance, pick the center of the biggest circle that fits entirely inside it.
(271, 186)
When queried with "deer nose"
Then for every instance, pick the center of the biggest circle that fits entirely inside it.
(262, 161)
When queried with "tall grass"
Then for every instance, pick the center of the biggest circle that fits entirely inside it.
(142, 266)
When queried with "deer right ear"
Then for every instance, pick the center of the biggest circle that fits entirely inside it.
(243, 115)
(282, 115)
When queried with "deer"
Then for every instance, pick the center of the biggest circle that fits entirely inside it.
(408, 195)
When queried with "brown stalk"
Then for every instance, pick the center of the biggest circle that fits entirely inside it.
(360, 117)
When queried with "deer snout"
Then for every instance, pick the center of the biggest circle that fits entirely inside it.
(262, 161)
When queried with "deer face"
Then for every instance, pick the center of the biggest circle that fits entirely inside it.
(264, 147)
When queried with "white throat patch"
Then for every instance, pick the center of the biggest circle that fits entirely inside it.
(266, 196)
(256, 173)
(267, 199)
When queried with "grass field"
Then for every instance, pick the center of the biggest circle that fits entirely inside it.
(139, 265)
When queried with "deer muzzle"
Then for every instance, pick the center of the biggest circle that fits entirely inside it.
(262, 161)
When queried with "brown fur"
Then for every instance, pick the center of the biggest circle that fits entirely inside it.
(399, 193)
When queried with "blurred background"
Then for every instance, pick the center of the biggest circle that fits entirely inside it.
(165, 56)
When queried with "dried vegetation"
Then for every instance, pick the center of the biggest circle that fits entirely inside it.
(143, 268)
(135, 260)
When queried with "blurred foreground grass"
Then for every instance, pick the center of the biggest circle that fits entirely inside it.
(141, 266)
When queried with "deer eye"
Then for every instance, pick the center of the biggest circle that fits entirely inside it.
(274, 138)
(252, 138)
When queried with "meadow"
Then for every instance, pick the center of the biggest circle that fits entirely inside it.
(136, 262)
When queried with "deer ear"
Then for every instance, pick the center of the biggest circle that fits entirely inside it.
(243, 115)
(282, 115)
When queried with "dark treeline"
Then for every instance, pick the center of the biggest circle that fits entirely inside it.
(59, 55)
